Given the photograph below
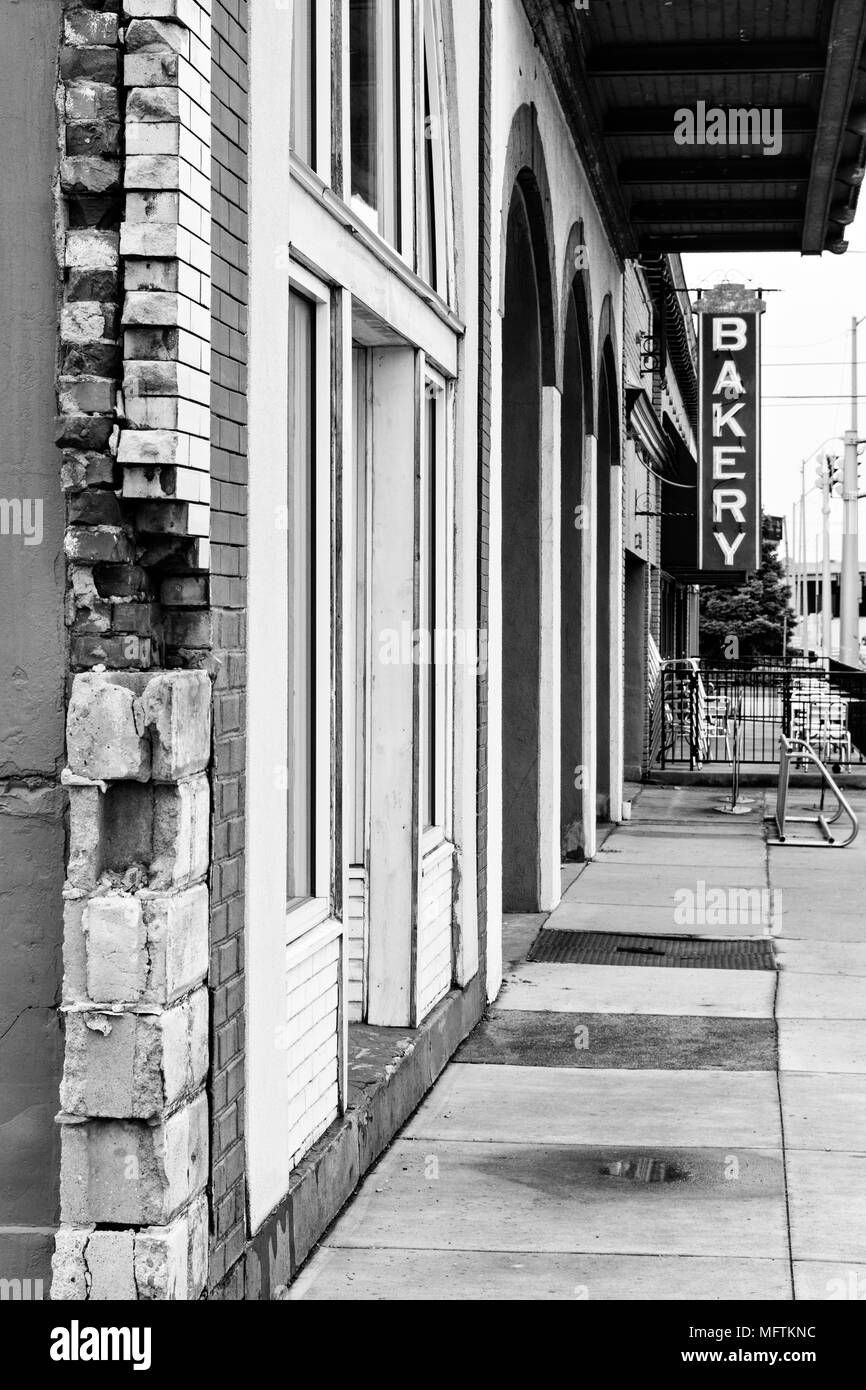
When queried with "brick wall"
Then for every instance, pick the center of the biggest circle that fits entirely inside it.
(229, 93)
(133, 393)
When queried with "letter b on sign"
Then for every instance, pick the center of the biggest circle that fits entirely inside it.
(729, 335)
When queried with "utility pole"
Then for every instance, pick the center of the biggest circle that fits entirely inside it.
(849, 626)
(826, 581)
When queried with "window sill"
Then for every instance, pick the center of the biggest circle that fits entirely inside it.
(303, 915)
(434, 847)
(353, 222)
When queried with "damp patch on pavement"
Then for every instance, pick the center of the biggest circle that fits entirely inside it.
(531, 1038)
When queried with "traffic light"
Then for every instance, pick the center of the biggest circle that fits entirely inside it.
(835, 465)
(830, 465)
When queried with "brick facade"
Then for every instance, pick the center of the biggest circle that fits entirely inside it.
(133, 393)
(229, 91)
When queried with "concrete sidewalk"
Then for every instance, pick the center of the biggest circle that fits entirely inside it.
(640, 1131)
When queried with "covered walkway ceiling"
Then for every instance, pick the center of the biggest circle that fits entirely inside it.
(624, 68)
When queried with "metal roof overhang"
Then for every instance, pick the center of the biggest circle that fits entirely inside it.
(623, 70)
(644, 427)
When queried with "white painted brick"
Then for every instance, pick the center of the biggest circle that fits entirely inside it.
(155, 448)
(199, 56)
(150, 239)
(201, 547)
(152, 171)
(165, 379)
(152, 69)
(155, 205)
(198, 525)
(186, 485)
(148, 308)
(169, 413)
(153, 138)
(152, 275)
(194, 84)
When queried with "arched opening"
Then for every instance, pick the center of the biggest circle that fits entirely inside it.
(573, 532)
(608, 458)
(521, 443)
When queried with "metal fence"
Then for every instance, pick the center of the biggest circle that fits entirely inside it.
(823, 703)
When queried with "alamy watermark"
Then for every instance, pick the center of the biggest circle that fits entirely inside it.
(728, 907)
(736, 126)
(21, 1290)
(444, 647)
(22, 516)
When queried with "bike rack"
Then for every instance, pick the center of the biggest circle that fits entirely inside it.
(733, 725)
(801, 750)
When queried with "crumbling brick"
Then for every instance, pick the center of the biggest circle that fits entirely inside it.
(130, 1173)
(157, 1263)
(175, 952)
(105, 735)
(132, 1065)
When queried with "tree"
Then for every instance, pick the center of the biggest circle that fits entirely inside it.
(753, 613)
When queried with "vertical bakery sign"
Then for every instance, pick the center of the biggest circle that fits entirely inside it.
(729, 505)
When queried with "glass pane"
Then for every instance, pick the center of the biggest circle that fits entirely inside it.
(364, 98)
(397, 190)
(301, 768)
(302, 125)
(431, 147)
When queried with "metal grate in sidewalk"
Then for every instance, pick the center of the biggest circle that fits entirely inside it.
(621, 948)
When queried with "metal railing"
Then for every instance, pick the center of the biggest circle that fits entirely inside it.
(800, 750)
(822, 705)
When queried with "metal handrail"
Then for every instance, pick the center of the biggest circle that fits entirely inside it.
(802, 750)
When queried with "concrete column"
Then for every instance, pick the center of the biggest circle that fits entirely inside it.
(617, 645)
(550, 644)
(494, 708)
(589, 653)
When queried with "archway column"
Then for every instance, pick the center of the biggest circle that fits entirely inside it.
(550, 652)
(589, 643)
(617, 645)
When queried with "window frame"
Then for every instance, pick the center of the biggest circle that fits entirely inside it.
(393, 218)
(321, 78)
(304, 913)
(430, 69)
(437, 390)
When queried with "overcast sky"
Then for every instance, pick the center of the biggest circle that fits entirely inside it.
(806, 350)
